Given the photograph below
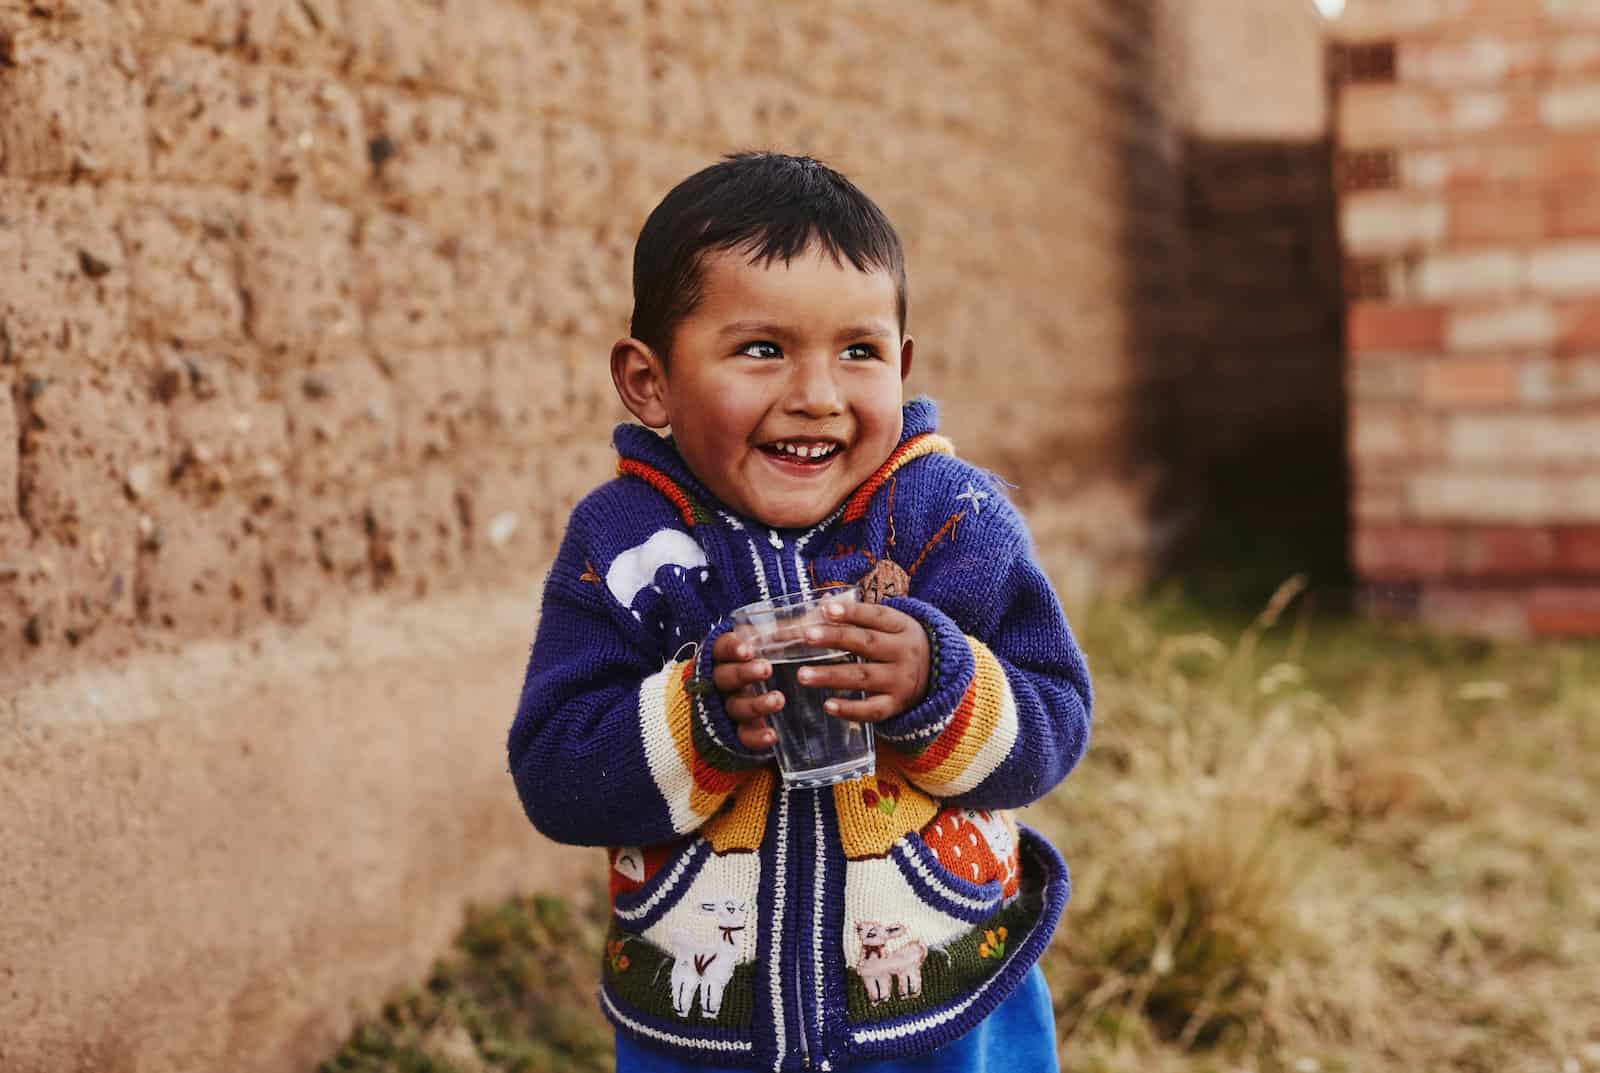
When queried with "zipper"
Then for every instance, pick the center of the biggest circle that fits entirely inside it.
(797, 978)
(800, 1017)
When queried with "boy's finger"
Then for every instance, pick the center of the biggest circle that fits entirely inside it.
(861, 641)
(756, 736)
(732, 677)
(731, 648)
(871, 710)
(872, 616)
(745, 708)
(861, 677)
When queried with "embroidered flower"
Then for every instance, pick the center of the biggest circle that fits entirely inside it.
(995, 944)
(886, 798)
(614, 955)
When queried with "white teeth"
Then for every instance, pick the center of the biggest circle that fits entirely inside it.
(807, 452)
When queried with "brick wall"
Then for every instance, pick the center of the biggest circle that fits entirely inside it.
(304, 308)
(1469, 169)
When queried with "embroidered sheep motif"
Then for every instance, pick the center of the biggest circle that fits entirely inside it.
(885, 972)
(704, 968)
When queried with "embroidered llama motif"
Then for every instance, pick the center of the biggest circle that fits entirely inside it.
(704, 968)
(887, 578)
(886, 972)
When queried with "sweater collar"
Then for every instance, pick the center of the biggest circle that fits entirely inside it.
(655, 460)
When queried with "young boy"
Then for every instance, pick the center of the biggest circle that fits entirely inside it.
(889, 922)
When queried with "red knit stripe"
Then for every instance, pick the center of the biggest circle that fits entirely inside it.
(713, 780)
(948, 738)
(927, 443)
(629, 467)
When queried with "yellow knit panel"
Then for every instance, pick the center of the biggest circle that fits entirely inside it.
(743, 823)
(877, 811)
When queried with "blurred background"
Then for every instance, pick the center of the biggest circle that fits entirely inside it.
(1283, 321)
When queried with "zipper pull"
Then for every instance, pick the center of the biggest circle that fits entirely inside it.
(774, 539)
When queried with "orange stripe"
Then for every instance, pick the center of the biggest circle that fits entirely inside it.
(947, 739)
(629, 467)
(986, 691)
(708, 787)
(916, 447)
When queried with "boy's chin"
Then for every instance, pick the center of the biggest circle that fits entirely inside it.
(791, 515)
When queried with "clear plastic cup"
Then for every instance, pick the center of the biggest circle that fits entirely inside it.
(814, 748)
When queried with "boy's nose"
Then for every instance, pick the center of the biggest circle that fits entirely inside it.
(813, 388)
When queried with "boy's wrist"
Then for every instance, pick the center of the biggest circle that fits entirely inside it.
(950, 669)
(719, 745)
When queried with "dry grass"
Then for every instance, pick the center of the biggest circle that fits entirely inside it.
(1296, 845)
(1312, 847)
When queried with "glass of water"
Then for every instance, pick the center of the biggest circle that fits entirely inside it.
(814, 748)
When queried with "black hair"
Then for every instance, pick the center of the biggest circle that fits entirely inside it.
(769, 205)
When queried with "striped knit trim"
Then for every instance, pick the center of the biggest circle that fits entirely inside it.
(737, 1046)
(692, 788)
(691, 511)
(916, 447)
(775, 944)
(978, 737)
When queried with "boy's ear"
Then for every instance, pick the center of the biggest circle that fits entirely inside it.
(641, 381)
(906, 348)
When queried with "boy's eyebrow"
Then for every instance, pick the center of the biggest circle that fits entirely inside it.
(865, 331)
(772, 328)
(751, 327)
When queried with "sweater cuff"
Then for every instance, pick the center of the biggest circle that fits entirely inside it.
(950, 671)
(716, 737)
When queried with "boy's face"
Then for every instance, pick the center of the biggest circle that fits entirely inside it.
(783, 391)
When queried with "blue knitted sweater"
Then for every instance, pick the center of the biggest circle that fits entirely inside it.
(790, 929)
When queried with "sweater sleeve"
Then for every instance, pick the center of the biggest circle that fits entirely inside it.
(1007, 712)
(612, 744)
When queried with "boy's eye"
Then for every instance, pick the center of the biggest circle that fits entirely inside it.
(761, 350)
(860, 352)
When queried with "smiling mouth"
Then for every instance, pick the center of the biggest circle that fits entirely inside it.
(803, 453)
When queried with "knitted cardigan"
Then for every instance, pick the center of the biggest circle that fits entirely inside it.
(788, 929)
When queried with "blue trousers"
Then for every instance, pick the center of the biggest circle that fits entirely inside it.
(1018, 1037)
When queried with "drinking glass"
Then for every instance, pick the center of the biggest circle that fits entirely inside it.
(814, 748)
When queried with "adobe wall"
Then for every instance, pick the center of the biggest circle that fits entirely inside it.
(304, 306)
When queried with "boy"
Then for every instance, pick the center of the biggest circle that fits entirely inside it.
(889, 922)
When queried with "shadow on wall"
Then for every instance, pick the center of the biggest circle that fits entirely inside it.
(1262, 409)
(1236, 333)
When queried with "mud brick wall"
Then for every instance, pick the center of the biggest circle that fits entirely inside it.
(1469, 168)
(306, 301)
(304, 308)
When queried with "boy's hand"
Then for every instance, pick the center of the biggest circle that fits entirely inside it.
(737, 675)
(895, 648)
(895, 674)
